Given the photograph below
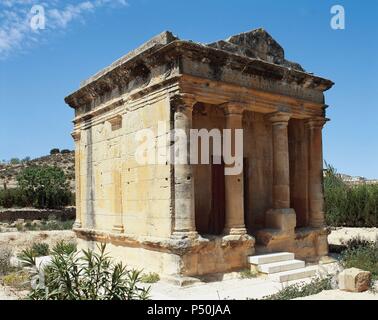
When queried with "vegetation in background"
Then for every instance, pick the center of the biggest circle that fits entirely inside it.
(349, 205)
(54, 151)
(46, 225)
(299, 290)
(39, 187)
(87, 276)
(361, 254)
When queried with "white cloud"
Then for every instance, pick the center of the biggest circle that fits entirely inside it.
(16, 33)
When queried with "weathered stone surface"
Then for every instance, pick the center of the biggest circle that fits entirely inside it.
(257, 44)
(354, 280)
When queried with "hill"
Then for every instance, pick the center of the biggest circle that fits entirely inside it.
(65, 161)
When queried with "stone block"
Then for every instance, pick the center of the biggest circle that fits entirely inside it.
(283, 219)
(354, 280)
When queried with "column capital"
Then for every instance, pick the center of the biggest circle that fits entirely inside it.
(76, 135)
(278, 117)
(181, 100)
(233, 108)
(316, 123)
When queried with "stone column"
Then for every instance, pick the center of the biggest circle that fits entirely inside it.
(234, 188)
(281, 216)
(77, 137)
(184, 225)
(315, 171)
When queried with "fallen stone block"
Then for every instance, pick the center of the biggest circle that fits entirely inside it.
(354, 280)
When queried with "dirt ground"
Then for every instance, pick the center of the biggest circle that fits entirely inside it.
(21, 240)
(340, 235)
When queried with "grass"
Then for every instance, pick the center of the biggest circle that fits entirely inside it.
(150, 278)
(18, 280)
(248, 274)
(302, 289)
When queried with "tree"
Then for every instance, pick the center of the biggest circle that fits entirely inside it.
(26, 159)
(54, 151)
(44, 186)
(15, 161)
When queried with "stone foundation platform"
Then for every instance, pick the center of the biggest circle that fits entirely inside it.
(174, 258)
(309, 244)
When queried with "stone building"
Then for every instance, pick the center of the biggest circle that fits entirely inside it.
(188, 219)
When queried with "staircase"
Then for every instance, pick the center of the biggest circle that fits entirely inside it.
(282, 266)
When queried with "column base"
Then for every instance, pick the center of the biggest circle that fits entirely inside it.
(77, 225)
(238, 231)
(118, 229)
(282, 219)
(184, 235)
(317, 223)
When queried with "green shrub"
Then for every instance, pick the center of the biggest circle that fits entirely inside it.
(63, 247)
(151, 277)
(40, 249)
(92, 276)
(12, 198)
(361, 254)
(27, 257)
(5, 256)
(299, 290)
(349, 205)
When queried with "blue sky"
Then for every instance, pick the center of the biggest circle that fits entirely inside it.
(38, 69)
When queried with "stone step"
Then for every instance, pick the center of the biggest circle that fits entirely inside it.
(293, 274)
(270, 258)
(281, 266)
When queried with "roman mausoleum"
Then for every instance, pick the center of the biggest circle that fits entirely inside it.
(190, 219)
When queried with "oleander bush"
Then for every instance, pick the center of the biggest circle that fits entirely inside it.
(349, 205)
(85, 275)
